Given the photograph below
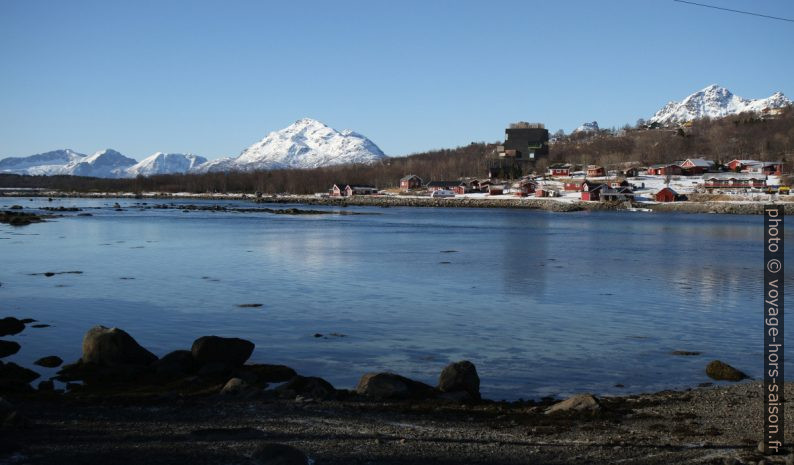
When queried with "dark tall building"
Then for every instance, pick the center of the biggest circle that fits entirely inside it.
(524, 144)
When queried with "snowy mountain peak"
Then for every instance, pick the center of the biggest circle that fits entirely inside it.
(588, 127)
(47, 163)
(106, 163)
(165, 163)
(715, 102)
(307, 143)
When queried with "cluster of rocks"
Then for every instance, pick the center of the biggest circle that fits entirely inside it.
(458, 382)
(15, 378)
(114, 363)
(18, 218)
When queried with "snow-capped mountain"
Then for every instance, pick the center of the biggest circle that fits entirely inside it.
(715, 102)
(165, 163)
(588, 127)
(307, 143)
(106, 163)
(48, 163)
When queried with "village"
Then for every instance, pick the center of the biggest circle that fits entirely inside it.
(513, 172)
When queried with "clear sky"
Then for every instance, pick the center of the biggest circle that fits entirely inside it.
(212, 77)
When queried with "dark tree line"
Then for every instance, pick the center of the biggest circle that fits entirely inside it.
(741, 136)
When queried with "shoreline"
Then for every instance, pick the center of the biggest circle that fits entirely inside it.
(207, 406)
(546, 204)
(703, 425)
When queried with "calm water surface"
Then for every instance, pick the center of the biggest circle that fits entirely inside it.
(543, 303)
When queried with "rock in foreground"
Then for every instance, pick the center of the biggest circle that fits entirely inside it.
(8, 348)
(10, 325)
(50, 361)
(577, 403)
(230, 351)
(460, 376)
(113, 346)
(392, 386)
(721, 371)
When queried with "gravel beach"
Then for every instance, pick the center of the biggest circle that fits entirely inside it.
(704, 425)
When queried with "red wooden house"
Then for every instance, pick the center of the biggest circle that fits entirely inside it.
(765, 167)
(664, 170)
(410, 181)
(696, 166)
(559, 169)
(592, 191)
(595, 171)
(666, 195)
(734, 181)
(739, 165)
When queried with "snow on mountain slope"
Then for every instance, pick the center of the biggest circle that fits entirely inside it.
(48, 163)
(106, 163)
(587, 127)
(308, 143)
(165, 163)
(715, 102)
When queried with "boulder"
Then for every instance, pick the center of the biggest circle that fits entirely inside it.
(278, 454)
(92, 373)
(174, 364)
(237, 387)
(113, 346)
(460, 376)
(577, 403)
(14, 378)
(51, 361)
(10, 325)
(46, 385)
(8, 348)
(392, 386)
(214, 370)
(309, 387)
(231, 351)
(262, 373)
(721, 371)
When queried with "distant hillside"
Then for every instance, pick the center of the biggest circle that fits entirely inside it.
(746, 135)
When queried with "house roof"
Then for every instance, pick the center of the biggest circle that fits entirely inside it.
(560, 166)
(361, 186)
(766, 163)
(409, 177)
(744, 162)
(443, 183)
(667, 189)
(725, 176)
(701, 162)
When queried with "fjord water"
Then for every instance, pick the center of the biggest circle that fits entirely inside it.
(543, 303)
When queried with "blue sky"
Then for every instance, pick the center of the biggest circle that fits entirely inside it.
(212, 77)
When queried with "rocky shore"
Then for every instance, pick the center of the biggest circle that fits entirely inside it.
(120, 404)
(548, 204)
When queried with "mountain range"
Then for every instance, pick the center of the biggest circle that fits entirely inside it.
(715, 102)
(307, 143)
